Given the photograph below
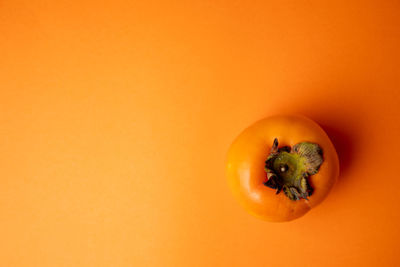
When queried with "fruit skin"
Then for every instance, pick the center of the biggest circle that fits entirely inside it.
(246, 159)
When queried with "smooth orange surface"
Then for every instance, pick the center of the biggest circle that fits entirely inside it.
(116, 116)
(246, 161)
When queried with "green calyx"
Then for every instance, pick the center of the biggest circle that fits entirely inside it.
(288, 168)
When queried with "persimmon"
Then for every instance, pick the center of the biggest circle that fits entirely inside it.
(281, 167)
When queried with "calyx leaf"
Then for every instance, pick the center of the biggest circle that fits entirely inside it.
(288, 168)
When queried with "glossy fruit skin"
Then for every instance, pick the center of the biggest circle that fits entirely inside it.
(246, 160)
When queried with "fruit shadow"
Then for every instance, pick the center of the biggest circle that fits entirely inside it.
(344, 130)
(344, 145)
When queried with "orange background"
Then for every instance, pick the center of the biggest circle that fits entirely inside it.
(115, 119)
